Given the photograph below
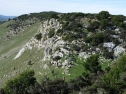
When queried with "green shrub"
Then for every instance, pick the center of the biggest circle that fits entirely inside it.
(51, 32)
(112, 80)
(38, 36)
(103, 23)
(95, 39)
(59, 32)
(107, 54)
(118, 20)
(94, 25)
(92, 64)
(69, 37)
(54, 15)
(103, 15)
(21, 83)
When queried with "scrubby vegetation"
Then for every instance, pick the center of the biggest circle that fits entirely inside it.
(38, 36)
(110, 81)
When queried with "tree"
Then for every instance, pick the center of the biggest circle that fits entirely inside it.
(103, 23)
(94, 25)
(118, 20)
(95, 39)
(54, 15)
(38, 36)
(56, 86)
(51, 32)
(103, 15)
(115, 78)
(92, 64)
(21, 83)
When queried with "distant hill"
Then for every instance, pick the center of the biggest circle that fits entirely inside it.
(5, 18)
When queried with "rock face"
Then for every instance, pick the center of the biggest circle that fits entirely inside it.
(54, 48)
(27, 46)
(49, 44)
(109, 45)
(118, 50)
(19, 53)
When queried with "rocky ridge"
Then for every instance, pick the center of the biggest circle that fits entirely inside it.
(56, 48)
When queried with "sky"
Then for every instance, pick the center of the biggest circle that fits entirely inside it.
(19, 7)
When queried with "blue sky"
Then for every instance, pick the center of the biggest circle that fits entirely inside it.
(18, 7)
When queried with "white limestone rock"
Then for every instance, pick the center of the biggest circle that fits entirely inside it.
(84, 55)
(20, 53)
(109, 45)
(64, 51)
(115, 36)
(118, 50)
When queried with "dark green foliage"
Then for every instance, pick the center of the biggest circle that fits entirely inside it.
(23, 17)
(38, 36)
(76, 47)
(103, 18)
(95, 39)
(73, 26)
(59, 32)
(103, 15)
(123, 35)
(107, 37)
(112, 79)
(107, 54)
(103, 23)
(54, 15)
(56, 58)
(123, 77)
(51, 33)
(80, 81)
(55, 87)
(72, 30)
(25, 83)
(118, 20)
(69, 37)
(80, 15)
(21, 83)
(92, 64)
(85, 48)
(41, 15)
(67, 17)
(65, 24)
(94, 25)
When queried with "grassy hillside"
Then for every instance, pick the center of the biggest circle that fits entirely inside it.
(10, 48)
(10, 68)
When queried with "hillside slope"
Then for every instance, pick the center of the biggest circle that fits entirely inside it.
(56, 45)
